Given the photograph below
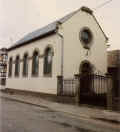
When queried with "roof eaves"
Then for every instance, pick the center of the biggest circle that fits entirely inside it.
(101, 29)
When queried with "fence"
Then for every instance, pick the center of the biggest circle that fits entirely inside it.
(69, 87)
(97, 84)
(91, 89)
(94, 84)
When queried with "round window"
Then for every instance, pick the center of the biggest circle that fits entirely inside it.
(86, 37)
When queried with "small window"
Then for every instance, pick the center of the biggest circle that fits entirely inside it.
(35, 64)
(10, 67)
(48, 62)
(17, 66)
(25, 65)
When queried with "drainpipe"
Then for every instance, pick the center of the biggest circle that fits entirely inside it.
(60, 79)
(62, 52)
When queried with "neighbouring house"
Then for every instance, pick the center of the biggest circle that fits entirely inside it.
(114, 71)
(3, 67)
(72, 45)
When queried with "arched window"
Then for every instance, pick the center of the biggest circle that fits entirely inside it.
(17, 66)
(10, 67)
(35, 64)
(48, 62)
(25, 65)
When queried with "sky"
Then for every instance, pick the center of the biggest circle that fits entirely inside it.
(19, 17)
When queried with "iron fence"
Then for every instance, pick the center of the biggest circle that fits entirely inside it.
(96, 90)
(92, 84)
(69, 87)
(97, 84)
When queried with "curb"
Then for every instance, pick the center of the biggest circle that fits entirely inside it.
(25, 102)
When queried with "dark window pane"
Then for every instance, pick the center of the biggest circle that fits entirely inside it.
(35, 64)
(25, 65)
(48, 62)
(17, 66)
(10, 68)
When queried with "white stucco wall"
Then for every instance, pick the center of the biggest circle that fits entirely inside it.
(74, 53)
(40, 83)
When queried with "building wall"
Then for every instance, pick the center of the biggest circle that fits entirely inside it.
(114, 70)
(74, 53)
(40, 83)
(113, 58)
(3, 67)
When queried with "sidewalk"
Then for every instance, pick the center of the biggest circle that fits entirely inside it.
(76, 111)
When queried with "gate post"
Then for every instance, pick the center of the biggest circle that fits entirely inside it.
(59, 85)
(109, 92)
(77, 97)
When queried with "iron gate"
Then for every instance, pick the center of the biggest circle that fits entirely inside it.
(93, 89)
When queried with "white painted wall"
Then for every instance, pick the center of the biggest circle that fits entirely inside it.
(74, 53)
(40, 83)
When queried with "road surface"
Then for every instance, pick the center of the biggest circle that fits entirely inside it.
(21, 117)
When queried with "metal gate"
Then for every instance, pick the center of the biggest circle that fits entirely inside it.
(93, 89)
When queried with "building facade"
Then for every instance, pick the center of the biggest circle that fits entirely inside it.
(72, 45)
(3, 66)
(114, 71)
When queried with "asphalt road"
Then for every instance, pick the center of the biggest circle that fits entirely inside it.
(20, 117)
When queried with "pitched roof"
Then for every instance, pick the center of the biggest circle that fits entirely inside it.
(50, 28)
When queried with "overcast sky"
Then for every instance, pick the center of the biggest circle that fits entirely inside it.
(19, 17)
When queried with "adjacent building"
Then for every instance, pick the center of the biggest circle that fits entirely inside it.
(3, 66)
(114, 71)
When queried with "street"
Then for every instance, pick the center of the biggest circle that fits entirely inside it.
(20, 117)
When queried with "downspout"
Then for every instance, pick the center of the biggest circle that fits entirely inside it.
(62, 52)
(60, 78)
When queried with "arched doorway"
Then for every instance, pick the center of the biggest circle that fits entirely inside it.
(86, 70)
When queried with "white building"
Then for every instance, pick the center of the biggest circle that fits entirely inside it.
(63, 48)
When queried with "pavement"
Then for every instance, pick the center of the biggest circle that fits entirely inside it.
(74, 110)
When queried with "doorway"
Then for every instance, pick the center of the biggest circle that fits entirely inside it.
(85, 80)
